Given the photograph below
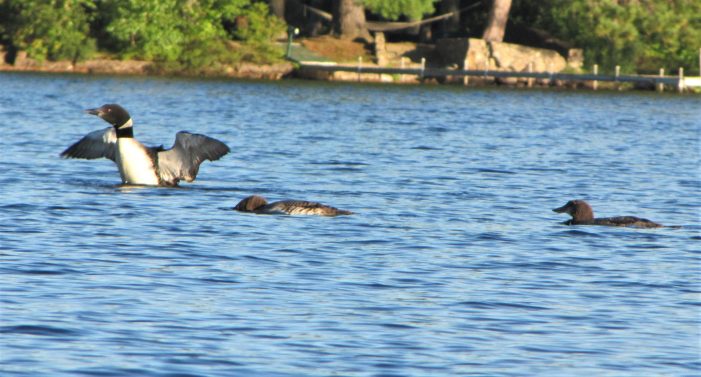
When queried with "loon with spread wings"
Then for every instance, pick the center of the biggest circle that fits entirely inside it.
(139, 164)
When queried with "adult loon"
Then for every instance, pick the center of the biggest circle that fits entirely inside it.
(582, 214)
(141, 165)
(258, 204)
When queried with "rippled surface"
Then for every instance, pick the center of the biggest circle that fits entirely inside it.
(453, 265)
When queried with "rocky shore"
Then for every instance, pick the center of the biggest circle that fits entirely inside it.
(138, 67)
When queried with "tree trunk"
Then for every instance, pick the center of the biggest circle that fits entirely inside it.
(277, 7)
(496, 25)
(450, 25)
(349, 20)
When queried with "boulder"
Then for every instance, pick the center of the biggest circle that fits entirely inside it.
(513, 57)
(481, 54)
(455, 51)
(575, 58)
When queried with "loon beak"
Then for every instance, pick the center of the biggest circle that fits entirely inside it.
(97, 111)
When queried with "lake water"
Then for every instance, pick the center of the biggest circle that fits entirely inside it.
(454, 264)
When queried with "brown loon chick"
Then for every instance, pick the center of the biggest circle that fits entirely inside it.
(258, 204)
(582, 214)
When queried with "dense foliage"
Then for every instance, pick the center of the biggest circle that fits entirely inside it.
(54, 29)
(185, 34)
(638, 35)
(393, 9)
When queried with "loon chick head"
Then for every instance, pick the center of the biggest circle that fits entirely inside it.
(113, 114)
(251, 203)
(578, 209)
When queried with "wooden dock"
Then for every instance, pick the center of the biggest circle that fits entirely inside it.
(679, 82)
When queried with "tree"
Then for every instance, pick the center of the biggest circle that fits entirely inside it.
(56, 29)
(147, 29)
(496, 24)
(641, 35)
(450, 25)
(671, 35)
(192, 33)
(349, 15)
(349, 20)
(277, 7)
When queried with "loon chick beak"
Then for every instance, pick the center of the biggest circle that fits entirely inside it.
(560, 209)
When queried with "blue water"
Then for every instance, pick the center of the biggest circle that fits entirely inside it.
(454, 264)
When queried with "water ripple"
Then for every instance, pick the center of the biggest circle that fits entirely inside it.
(39, 331)
(453, 265)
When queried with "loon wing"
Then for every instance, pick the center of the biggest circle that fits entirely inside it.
(630, 221)
(97, 144)
(183, 160)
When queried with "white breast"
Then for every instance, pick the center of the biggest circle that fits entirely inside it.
(135, 165)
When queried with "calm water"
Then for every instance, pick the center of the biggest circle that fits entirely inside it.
(454, 264)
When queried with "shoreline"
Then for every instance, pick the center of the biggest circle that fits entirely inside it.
(276, 72)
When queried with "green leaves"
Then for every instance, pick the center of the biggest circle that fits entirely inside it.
(638, 35)
(393, 9)
(146, 29)
(191, 33)
(55, 29)
(672, 34)
(186, 34)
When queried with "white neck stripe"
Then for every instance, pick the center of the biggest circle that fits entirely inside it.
(128, 124)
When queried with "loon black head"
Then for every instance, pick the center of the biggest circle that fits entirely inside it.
(113, 114)
(578, 209)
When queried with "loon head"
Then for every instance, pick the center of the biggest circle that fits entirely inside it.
(251, 203)
(578, 209)
(113, 114)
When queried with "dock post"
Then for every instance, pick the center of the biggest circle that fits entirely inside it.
(360, 63)
(660, 84)
(618, 73)
(423, 67)
(680, 85)
(465, 67)
(530, 70)
(595, 84)
(291, 32)
(401, 65)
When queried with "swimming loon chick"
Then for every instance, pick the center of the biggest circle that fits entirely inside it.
(141, 165)
(582, 214)
(258, 204)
